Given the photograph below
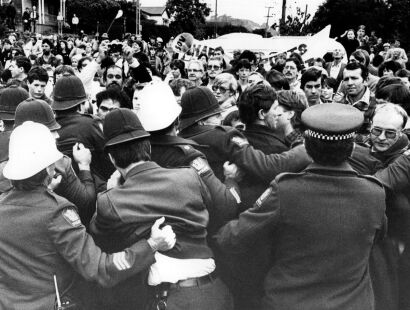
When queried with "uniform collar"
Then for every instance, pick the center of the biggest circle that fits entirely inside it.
(170, 140)
(141, 168)
(343, 168)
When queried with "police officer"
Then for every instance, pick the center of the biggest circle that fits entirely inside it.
(10, 98)
(321, 223)
(183, 278)
(79, 190)
(200, 121)
(69, 98)
(158, 114)
(42, 235)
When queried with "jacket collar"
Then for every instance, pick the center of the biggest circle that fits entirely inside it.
(263, 129)
(141, 168)
(343, 168)
(170, 140)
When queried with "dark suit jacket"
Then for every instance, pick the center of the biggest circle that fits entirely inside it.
(340, 74)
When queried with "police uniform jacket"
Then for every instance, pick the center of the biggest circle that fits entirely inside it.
(173, 152)
(78, 189)
(322, 224)
(227, 144)
(41, 235)
(264, 139)
(126, 213)
(76, 127)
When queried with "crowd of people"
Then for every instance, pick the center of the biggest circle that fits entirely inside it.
(133, 177)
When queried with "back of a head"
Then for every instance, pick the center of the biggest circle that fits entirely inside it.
(384, 81)
(277, 80)
(395, 93)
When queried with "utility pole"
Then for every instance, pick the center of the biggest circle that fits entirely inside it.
(138, 17)
(283, 10)
(267, 20)
(216, 18)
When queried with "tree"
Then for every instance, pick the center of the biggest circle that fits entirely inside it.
(295, 25)
(389, 18)
(188, 16)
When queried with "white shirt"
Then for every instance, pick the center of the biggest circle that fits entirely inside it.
(334, 70)
(172, 270)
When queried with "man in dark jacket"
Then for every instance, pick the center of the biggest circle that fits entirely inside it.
(183, 278)
(322, 223)
(200, 121)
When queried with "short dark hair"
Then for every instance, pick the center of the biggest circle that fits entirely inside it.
(219, 48)
(23, 62)
(296, 61)
(114, 94)
(331, 82)
(37, 73)
(384, 81)
(177, 63)
(395, 93)
(253, 99)
(249, 55)
(377, 60)
(32, 182)
(311, 74)
(130, 152)
(355, 65)
(389, 65)
(277, 80)
(47, 41)
(242, 63)
(116, 67)
(328, 153)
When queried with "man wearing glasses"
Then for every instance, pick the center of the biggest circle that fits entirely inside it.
(214, 68)
(388, 142)
(195, 72)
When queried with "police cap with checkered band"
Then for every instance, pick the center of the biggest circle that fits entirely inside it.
(332, 121)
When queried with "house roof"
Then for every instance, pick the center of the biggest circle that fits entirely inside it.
(153, 10)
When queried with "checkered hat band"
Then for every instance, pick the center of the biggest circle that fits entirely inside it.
(327, 137)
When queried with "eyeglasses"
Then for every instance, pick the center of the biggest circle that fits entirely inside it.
(389, 133)
(210, 67)
(222, 89)
(111, 76)
(194, 70)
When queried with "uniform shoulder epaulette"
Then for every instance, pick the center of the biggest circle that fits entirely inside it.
(371, 178)
(61, 202)
(287, 176)
(224, 128)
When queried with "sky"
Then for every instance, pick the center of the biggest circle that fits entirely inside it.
(255, 10)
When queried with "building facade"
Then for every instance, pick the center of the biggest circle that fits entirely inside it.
(47, 11)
